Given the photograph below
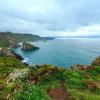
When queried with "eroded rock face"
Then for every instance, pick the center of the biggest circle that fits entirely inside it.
(28, 46)
(5, 52)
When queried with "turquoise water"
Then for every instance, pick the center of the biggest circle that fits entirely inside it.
(63, 52)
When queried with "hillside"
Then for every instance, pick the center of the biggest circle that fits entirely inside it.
(8, 39)
(47, 82)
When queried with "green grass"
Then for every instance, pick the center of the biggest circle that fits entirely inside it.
(8, 39)
(5, 70)
(36, 92)
(81, 84)
(10, 62)
(4, 43)
(83, 95)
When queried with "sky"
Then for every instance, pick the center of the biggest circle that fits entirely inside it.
(51, 17)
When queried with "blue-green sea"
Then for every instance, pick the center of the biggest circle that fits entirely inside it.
(63, 52)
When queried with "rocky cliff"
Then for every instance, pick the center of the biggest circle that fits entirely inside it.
(28, 46)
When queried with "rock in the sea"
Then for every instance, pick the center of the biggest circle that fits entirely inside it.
(28, 46)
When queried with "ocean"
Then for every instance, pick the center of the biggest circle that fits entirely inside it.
(63, 52)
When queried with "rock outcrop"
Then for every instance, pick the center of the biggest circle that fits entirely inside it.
(17, 56)
(9, 39)
(18, 73)
(28, 46)
(5, 52)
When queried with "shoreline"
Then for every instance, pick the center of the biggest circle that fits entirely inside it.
(19, 57)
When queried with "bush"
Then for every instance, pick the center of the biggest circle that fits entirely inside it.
(45, 72)
(96, 61)
(73, 80)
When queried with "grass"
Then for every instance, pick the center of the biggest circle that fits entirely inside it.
(10, 62)
(36, 92)
(83, 95)
(82, 83)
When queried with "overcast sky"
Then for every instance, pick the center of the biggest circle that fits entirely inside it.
(51, 17)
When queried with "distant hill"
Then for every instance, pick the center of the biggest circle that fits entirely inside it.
(93, 36)
(48, 38)
(11, 39)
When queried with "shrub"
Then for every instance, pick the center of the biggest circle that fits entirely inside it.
(90, 85)
(96, 61)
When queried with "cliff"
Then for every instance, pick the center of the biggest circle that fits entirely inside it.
(28, 46)
(5, 52)
(9, 39)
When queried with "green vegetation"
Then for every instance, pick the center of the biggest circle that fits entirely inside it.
(10, 62)
(28, 46)
(19, 82)
(4, 43)
(8, 39)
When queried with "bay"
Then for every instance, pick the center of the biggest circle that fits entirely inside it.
(63, 52)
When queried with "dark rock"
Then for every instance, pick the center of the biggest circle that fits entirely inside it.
(26, 64)
(17, 56)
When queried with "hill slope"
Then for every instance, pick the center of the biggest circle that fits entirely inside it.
(8, 39)
(43, 82)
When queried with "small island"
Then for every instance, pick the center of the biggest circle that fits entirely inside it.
(27, 47)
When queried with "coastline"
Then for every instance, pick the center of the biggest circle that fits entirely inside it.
(48, 80)
(19, 57)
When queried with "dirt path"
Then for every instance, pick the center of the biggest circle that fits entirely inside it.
(59, 93)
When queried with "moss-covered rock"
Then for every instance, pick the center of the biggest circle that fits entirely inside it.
(8, 52)
(28, 46)
(5, 52)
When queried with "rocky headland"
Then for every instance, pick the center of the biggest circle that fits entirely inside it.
(27, 47)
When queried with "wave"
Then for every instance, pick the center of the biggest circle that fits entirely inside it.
(25, 60)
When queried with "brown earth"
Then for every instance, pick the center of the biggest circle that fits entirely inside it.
(98, 84)
(59, 93)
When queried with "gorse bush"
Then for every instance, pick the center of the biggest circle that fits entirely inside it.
(96, 61)
(20, 83)
(45, 72)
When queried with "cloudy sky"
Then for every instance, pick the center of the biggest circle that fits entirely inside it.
(51, 17)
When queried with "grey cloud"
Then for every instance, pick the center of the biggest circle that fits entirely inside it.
(48, 15)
